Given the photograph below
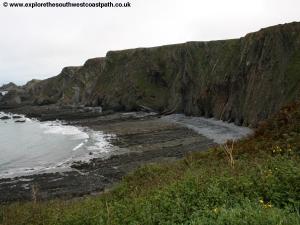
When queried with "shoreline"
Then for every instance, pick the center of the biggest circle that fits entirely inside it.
(141, 140)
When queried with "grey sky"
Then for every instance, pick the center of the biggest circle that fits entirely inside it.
(38, 43)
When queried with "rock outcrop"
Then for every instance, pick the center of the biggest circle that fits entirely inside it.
(241, 80)
(8, 87)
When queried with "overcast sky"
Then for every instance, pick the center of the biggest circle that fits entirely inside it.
(38, 43)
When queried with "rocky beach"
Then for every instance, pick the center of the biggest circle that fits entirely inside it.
(141, 138)
(153, 100)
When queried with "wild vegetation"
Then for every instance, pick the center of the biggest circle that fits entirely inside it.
(253, 181)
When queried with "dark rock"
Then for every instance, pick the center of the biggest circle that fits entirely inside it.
(8, 87)
(20, 121)
(17, 117)
(5, 118)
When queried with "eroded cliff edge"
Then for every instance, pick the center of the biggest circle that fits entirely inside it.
(241, 80)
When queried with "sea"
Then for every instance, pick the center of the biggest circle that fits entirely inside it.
(33, 147)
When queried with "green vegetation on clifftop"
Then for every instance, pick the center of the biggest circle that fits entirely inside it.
(253, 181)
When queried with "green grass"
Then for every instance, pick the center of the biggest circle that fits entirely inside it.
(261, 186)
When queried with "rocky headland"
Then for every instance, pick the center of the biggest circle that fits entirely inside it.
(243, 80)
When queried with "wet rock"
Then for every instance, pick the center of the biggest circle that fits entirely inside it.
(17, 117)
(5, 118)
(20, 121)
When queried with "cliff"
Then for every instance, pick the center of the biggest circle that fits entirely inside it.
(241, 80)
(8, 87)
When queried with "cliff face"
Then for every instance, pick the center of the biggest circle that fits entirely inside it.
(8, 87)
(72, 86)
(242, 80)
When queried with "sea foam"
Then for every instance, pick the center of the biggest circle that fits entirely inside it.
(58, 128)
(44, 147)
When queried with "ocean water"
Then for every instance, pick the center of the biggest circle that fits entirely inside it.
(38, 147)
